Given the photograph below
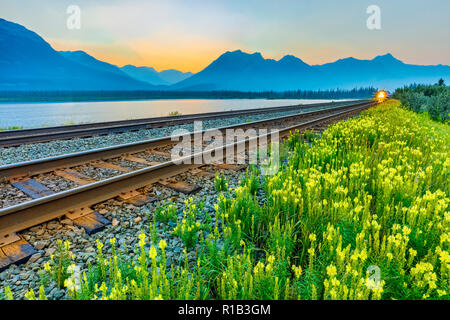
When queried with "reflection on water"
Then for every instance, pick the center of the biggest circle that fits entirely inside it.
(29, 115)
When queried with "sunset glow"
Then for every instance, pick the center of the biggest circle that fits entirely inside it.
(188, 35)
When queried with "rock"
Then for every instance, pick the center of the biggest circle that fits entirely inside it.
(138, 219)
(35, 229)
(35, 257)
(78, 231)
(40, 245)
(25, 276)
(67, 222)
(115, 222)
(52, 225)
(53, 292)
(50, 251)
(102, 211)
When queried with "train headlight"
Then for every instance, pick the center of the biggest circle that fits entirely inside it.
(381, 95)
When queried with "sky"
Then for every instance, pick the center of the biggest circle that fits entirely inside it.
(189, 34)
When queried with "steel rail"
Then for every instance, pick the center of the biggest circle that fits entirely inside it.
(10, 138)
(28, 214)
(33, 167)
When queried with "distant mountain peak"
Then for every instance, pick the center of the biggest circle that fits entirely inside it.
(150, 75)
(130, 66)
(289, 58)
(387, 58)
(240, 54)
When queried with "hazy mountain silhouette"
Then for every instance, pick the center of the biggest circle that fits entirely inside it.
(242, 71)
(238, 70)
(27, 62)
(383, 71)
(145, 74)
(174, 76)
(150, 75)
(91, 62)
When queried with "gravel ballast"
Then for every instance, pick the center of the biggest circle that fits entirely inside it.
(43, 150)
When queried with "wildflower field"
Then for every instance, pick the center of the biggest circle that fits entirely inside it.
(358, 213)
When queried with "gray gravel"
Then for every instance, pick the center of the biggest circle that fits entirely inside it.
(150, 157)
(128, 164)
(54, 182)
(10, 196)
(97, 173)
(43, 150)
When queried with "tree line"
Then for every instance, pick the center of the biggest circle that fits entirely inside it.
(73, 96)
(433, 99)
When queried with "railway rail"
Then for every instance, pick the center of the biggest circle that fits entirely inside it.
(75, 203)
(11, 138)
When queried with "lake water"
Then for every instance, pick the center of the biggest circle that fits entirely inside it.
(29, 115)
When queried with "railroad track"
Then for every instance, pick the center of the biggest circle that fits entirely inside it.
(136, 165)
(11, 138)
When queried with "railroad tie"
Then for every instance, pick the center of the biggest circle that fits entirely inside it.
(181, 186)
(14, 250)
(74, 176)
(88, 219)
(201, 173)
(161, 153)
(107, 165)
(32, 188)
(135, 198)
(137, 159)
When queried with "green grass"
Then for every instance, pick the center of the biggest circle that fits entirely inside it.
(175, 113)
(11, 128)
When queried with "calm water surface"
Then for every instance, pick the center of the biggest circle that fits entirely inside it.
(29, 115)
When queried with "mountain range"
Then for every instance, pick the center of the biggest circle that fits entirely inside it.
(150, 75)
(28, 62)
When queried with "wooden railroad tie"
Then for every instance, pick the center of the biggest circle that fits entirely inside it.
(88, 219)
(233, 167)
(74, 176)
(161, 153)
(135, 198)
(181, 186)
(137, 159)
(201, 173)
(107, 165)
(14, 250)
(32, 188)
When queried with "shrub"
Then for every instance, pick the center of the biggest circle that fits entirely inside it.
(220, 182)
